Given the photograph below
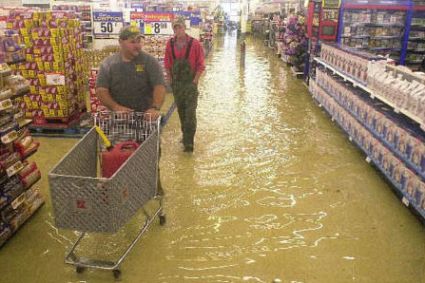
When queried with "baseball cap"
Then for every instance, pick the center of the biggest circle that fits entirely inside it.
(179, 21)
(129, 32)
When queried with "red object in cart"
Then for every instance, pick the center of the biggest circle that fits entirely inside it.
(114, 158)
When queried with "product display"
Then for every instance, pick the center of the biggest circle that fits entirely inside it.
(295, 42)
(53, 66)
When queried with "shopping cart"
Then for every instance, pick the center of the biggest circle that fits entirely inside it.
(86, 202)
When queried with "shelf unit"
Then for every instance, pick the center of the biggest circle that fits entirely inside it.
(19, 198)
(375, 25)
(392, 137)
(385, 27)
(415, 45)
(409, 197)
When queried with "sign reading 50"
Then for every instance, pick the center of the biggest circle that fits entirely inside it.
(107, 24)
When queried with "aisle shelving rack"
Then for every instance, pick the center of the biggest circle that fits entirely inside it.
(406, 120)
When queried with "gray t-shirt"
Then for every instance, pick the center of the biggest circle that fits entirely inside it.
(131, 83)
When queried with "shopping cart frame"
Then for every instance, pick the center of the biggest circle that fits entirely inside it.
(103, 202)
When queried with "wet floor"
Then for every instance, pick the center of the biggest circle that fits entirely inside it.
(273, 190)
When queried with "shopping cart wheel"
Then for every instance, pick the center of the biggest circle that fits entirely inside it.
(162, 220)
(117, 273)
(80, 269)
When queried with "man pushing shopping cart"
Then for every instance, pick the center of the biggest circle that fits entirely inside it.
(126, 142)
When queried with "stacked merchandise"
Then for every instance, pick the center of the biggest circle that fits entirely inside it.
(53, 66)
(19, 199)
(378, 31)
(295, 43)
(393, 142)
(83, 13)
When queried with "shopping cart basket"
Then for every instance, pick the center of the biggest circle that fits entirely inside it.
(86, 202)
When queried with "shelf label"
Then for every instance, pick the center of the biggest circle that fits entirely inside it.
(6, 104)
(9, 137)
(18, 201)
(55, 79)
(368, 160)
(107, 24)
(405, 201)
(15, 168)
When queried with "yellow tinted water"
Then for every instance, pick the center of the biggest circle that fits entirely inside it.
(273, 190)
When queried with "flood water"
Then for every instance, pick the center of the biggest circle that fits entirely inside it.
(274, 189)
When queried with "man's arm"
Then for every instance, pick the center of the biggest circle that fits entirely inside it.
(157, 101)
(107, 100)
(200, 62)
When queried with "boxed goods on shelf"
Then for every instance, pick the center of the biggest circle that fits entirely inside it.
(351, 62)
(399, 86)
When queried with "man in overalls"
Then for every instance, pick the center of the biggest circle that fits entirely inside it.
(184, 64)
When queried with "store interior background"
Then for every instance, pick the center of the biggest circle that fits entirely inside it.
(289, 181)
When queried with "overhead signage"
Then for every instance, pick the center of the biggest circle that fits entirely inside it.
(107, 24)
(152, 16)
(193, 16)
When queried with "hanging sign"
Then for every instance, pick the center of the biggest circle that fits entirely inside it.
(152, 23)
(107, 24)
(193, 16)
(331, 4)
(152, 16)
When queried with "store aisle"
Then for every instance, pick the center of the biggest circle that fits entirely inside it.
(273, 190)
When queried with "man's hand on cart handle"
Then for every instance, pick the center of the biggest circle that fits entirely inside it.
(120, 108)
(152, 114)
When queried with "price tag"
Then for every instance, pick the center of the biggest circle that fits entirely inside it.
(405, 201)
(15, 168)
(107, 28)
(55, 79)
(6, 104)
(165, 28)
(9, 137)
(18, 201)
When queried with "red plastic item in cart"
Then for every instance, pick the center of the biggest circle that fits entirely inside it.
(114, 158)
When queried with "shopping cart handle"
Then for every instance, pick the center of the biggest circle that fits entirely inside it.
(104, 138)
